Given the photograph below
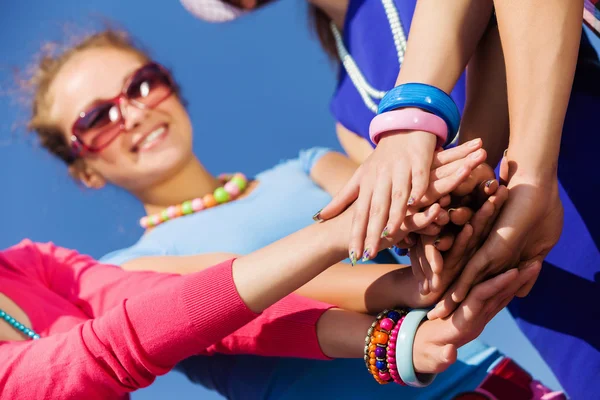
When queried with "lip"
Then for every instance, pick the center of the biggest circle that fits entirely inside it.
(137, 147)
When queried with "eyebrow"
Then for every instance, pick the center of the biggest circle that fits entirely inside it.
(95, 102)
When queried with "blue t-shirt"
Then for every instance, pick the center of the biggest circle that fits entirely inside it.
(282, 203)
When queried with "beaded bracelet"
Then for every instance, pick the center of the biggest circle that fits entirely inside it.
(377, 344)
(391, 354)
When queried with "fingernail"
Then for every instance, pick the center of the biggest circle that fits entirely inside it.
(421, 287)
(473, 143)
(386, 232)
(409, 241)
(436, 242)
(461, 171)
(430, 285)
(317, 216)
(366, 255)
(411, 201)
(489, 183)
(505, 153)
(352, 257)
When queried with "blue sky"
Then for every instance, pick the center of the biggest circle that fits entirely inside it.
(258, 91)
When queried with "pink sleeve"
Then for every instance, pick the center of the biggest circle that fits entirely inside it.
(144, 325)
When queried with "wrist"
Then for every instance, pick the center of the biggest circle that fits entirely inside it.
(399, 138)
(528, 169)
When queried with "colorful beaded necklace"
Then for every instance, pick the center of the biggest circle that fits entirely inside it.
(234, 185)
(18, 326)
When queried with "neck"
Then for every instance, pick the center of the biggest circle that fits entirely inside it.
(189, 182)
(335, 9)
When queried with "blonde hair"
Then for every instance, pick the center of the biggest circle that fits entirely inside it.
(53, 57)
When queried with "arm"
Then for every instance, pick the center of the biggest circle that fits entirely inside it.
(540, 47)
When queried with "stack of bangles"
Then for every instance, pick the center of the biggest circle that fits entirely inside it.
(389, 348)
(417, 107)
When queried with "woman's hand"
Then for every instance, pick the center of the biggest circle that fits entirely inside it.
(436, 342)
(383, 184)
(437, 261)
(528, 227)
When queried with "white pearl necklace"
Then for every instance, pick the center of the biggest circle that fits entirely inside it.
(366, 91)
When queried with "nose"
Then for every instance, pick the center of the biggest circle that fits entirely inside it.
(132, 115)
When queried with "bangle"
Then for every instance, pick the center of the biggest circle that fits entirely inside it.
(408, 119)
(425, 97)
(404, 350)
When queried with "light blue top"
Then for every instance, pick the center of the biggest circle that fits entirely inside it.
(282, 203)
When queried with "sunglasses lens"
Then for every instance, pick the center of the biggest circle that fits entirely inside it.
(98, 126)
(150, 85)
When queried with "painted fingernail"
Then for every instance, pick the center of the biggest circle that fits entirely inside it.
(489, 183)
(411, 201)
(505, 153)
(450, 211)
(366, 255)
(436, 242)
(317, 216)
(461, 171)
(386, 232)
(352, 257)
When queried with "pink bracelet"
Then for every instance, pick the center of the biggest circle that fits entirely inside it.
(391, 354)
(408, 119)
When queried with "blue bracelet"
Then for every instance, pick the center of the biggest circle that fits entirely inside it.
(425, 97)
(404, 350)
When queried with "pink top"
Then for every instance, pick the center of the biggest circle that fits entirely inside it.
(106, 332)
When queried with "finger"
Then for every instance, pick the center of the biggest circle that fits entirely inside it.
(456, 153)
(436, 264)
(425, 267)
(536, 268)
(460, 216)
(444, 307)
(481, 219)
(421, 220)
(444, 186)
(421, 166)
(479, 174)
(456, 253)
(526, 274)
(443, 218)
(360, 221)
(504, 169)
(431, 230)
(470, 162)
(486, 292)
(399, 200)
(498, 201)
(444, 241)
(477, 266)
(416, 267)
(445, 201)
(378, 215)
(342, 200)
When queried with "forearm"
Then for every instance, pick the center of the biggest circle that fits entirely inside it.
(540, 48)
(443, 37)
(367, 288)
(486, 110)
(267, 275)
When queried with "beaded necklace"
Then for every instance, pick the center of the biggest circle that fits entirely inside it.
(233, 186)
(366, 91)
(29, 333)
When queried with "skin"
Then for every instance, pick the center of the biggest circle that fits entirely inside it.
(159, 176)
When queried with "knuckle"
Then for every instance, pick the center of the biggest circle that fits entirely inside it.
(376, 210)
